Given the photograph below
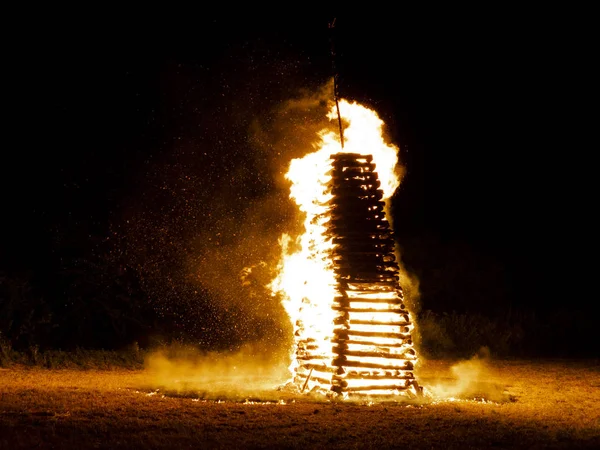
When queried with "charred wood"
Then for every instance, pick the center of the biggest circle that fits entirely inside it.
(403, 365)
(346, 334)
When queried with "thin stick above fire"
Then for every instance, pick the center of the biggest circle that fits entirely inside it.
(336, 92)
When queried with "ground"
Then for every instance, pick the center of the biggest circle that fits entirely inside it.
(508, 404)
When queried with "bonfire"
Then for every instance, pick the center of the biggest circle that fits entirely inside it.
(339, 279)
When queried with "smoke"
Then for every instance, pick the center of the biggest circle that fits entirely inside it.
(212, 202)
(251, 373)
(409, 283)
(237, 258)
(291, 130)
(410, 286)
(470, 379)
(202, 227)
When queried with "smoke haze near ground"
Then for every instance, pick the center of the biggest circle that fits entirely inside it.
(470, 380)
(252, 372)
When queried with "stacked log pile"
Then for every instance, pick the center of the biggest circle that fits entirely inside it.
(372, 347)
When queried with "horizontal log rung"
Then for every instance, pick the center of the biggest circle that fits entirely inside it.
(352, 157)
(373, 334)
(409, 354)
(390, 387)
(403, 342)
(407, 365)
(373, 377)
(365, 310)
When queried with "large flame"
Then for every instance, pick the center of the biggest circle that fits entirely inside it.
(306, 279)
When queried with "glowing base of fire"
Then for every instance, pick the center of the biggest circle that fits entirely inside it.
(357, 384)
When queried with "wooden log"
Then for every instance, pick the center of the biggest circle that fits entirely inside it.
(389, 387)
(307, 347)
(355, 191)
(356, 174)
(353, 266)
(358, 181)
(359, 288)
(373, 275)
(379, 375)
(309, 357)
(377, 260)
(373, 232)
(356, 186)
(362, 200)
(340, 320)
(343, 362)
(361, 244)
(389, 344)
(342, 205)
(349, 206)
(357, 170)
(355, 281)
(343, 221)
(408, 354)
(354, 206)
(374, 258)
(356, 214)
(355, 166)
(364, 247)
(346, 334)
(384, 349)
(349, 309)
(374, 254)
(351, 241)
(357, 294)
(351, 157)
(402, 323)
(363, 226)
(362, 180)
(347, 302)
(320, 380)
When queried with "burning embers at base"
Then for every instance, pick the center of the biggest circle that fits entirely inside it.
(352, 331)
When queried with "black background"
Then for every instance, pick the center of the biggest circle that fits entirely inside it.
(488, 108)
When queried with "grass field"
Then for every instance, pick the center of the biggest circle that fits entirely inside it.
(496, 404)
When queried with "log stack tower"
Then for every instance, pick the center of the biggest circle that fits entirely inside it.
(372, 347)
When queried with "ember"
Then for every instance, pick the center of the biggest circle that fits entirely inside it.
(352, 330)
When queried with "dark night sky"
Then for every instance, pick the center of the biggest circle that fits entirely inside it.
(481, 103)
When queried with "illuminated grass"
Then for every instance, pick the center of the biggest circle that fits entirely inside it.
(549, 404)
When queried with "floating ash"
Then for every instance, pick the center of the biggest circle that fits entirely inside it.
(352, 330)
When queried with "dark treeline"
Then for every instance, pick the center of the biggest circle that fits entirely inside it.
(99, 303)
(88, 304)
